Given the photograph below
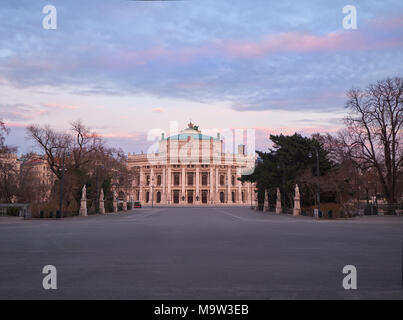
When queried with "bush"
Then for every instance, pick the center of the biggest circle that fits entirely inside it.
(370, 209)
(13, 211)
(108, 206)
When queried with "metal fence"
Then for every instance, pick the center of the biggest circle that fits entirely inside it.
(349, 210)
(375, 208)
(16, 209)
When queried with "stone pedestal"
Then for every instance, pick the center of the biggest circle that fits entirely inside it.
(278, 202)
(297, 203)
(83, 208)
(115, 206)
(266, 206)
(101, 207)
(101, 202)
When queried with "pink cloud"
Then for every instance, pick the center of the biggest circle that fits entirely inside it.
(262, 134)
(123, 135)
(59, 106)
(15, 124)
(391, 22)
(342, 40)
(303, 42)
(158, 110)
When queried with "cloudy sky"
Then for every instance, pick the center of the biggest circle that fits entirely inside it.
(126, 67)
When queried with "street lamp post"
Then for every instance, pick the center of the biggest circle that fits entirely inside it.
(61, 186)
(283, 182)
(97, 167)
(317, 174)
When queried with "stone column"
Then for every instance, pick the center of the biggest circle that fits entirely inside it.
(164, 190)
(278, 202)
(115, 201)
(248, 194)
(297, 204)
(239, 188)
(229, 194)
(211, 182)
(101, 202)
(183, 196)
(197, 185)
(266, 201)
(216, 196)
(83, 205)
(169, 184)
(151, 187)
(141, 184)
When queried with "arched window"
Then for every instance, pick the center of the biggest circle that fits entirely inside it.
(158, 180)
(176, 179)
(158, 197)
(148, 180)
(233, 180)
(222, 180)
(204, 179)
(222, 197)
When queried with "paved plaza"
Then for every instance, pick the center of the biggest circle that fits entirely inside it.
(200, 253)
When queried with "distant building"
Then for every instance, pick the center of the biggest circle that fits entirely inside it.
(10, 159)
(39, 170)
(191, 168)
(9, 171)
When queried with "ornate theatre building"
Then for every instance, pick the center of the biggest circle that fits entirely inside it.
(190, 168)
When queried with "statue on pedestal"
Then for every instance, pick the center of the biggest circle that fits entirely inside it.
(297, 203)
(83, 205)
(115, 201)
(124, 208)
(278, 202)
(101, 202)
(266, 206)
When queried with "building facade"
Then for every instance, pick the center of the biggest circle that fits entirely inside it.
(39, 170)
(190, 168)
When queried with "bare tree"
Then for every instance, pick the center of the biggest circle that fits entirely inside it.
(3, 131)
(8, 167)
(86, 144)
(53, 144)
(8, 180)
(87, 160)
(373, 136)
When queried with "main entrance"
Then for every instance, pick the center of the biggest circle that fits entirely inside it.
(204, 196)
(222, 197)
(190, 196)
(176, 196)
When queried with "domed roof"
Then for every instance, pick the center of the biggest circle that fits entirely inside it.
(191, 131)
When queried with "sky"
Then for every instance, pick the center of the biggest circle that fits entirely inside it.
(127, 67)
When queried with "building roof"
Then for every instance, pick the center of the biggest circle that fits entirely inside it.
(191, 131)
(184, 136)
